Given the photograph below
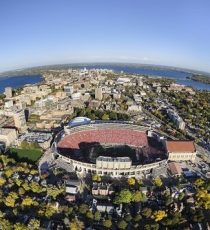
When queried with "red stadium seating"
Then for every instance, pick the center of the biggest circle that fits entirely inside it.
(120, 136)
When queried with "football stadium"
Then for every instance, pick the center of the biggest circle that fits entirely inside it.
(109, 148)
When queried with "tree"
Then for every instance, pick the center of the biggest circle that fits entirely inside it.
(151, 226)
(122, 224)
(18, 182)
(131, 181)
(34, 224)
(138, 196)
(28, 201)
(168, 200)
(137, 218)
(203, 198)
(199, 182)
(89, 215)
(48, 211)
(107, 223)
(197, 215)
(97, 216)
(34, 172)
(105, 116)
(158, 182)
(128, 218)
(2, 181)
(26, 186)
(76, 225)
(36, 188)
(5, 224)
(10, 199)
(96, 178)
(159, 215)
(181, 196)
(8, 172)
(147, 212)
(125, 196)
(54, 191)
(20, 226)
(83, 208)
(113, 116)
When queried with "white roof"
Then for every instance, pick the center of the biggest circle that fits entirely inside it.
(79, 120)
(71, 190)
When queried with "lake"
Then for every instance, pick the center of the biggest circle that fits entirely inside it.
(18, 81)
(178, 75)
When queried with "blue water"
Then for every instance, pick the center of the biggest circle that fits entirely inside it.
(178, 75)
(18, 81)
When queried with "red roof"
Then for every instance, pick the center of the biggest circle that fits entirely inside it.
(180, 146)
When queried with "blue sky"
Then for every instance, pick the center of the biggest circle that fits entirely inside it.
(165, 32)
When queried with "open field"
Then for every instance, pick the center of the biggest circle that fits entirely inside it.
(30, 154)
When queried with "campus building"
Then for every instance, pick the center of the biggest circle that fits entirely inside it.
(181, 150)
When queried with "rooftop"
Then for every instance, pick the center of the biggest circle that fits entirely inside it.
(180, 146)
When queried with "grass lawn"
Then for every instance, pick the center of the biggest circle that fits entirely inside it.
(30, 154)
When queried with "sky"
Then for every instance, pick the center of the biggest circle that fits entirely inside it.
(163, 32)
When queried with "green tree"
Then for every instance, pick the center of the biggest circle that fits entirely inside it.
(2, 181)
(147, 212)
(181, 196)
(27, 201)
(83, 208)
(76, 225)
(138, 196)
(96, 178)
(89, 215)
(125, 196)
(36, 188)
(34, 224)
(20, 226)
(199, 182)
(54, 191)
(131, 181)
(107, 223)
(137, 218)
(122, 224)
(158, 182)
(5, 224)
(97, 216)
(159, 215)
(105, 116)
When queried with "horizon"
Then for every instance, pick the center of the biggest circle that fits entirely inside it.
(176, 68)
(162, 33)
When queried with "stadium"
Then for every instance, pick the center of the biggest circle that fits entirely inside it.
(109, 148)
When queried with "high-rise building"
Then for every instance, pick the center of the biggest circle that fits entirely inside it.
(98, 94)
(8, 92)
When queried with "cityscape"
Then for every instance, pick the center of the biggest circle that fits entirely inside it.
(104, 142)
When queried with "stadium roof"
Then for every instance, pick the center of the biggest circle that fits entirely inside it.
(180, 146)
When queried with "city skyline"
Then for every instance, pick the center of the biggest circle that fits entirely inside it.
(161, 33)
